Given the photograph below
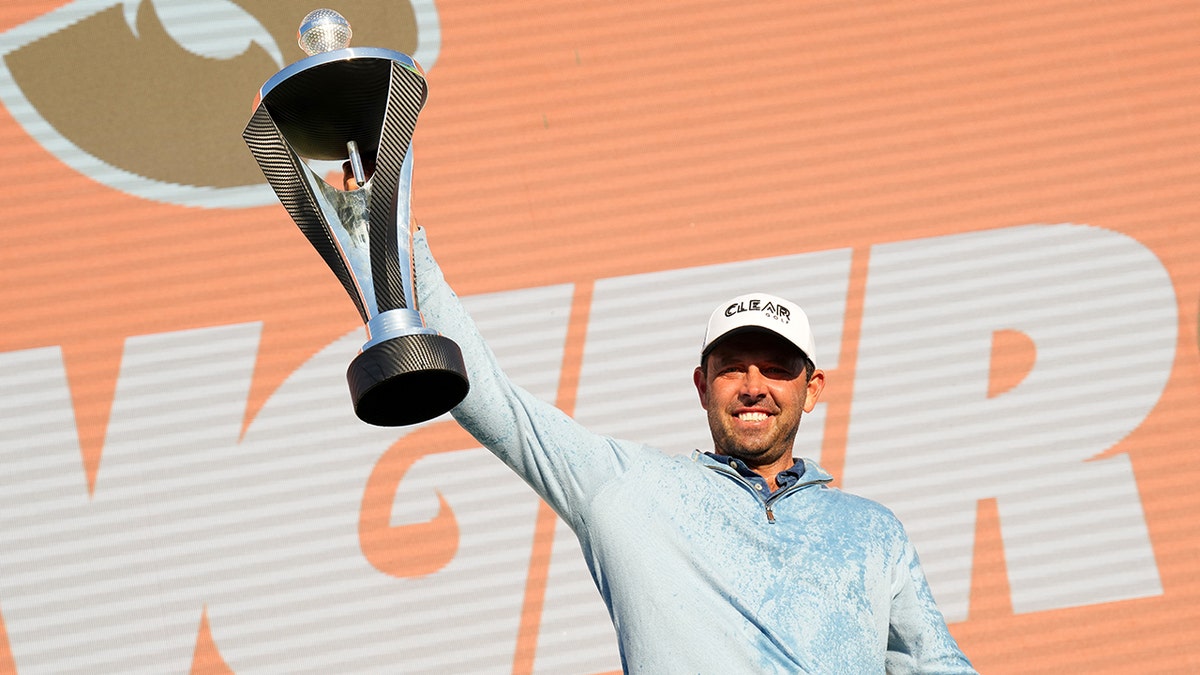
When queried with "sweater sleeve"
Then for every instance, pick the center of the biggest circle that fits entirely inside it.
(561, 460)
(918, 639)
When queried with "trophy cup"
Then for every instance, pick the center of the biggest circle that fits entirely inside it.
(355, 104)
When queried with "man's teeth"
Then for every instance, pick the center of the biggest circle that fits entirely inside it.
(752, 416)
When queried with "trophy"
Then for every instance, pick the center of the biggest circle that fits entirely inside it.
(360, 105)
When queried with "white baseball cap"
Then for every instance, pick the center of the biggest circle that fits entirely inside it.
(762, 311)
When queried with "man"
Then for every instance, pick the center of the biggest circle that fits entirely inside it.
(755, 379)
(742, 560)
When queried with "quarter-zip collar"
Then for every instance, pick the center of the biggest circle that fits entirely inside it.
(812, 474)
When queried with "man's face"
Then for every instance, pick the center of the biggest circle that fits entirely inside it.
(754, 388)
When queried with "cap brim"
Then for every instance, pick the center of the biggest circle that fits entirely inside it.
(741, 330)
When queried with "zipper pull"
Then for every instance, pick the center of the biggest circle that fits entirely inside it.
(770, 516)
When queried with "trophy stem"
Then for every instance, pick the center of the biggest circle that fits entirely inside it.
(356, 164)
(393, 323)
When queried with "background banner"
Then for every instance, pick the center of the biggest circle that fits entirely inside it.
(990, 211)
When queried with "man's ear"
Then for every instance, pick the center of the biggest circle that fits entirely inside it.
(701, 382)
(816, 384)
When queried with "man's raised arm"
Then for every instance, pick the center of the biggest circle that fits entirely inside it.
(563, 462)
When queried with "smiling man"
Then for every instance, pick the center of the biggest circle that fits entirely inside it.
(756, 378)
(739, 560)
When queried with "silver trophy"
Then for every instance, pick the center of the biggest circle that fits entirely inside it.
(360, 105)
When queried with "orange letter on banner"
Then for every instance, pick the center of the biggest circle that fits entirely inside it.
(416, 549)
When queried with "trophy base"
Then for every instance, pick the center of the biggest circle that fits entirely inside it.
(407, 379)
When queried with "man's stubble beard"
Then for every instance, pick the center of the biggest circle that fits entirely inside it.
(756, 449)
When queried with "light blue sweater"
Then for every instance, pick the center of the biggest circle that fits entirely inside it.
(699, 572)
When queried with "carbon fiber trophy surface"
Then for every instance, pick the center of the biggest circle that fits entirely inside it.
(350, 104)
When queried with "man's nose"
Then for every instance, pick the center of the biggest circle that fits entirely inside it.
(754, 385)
